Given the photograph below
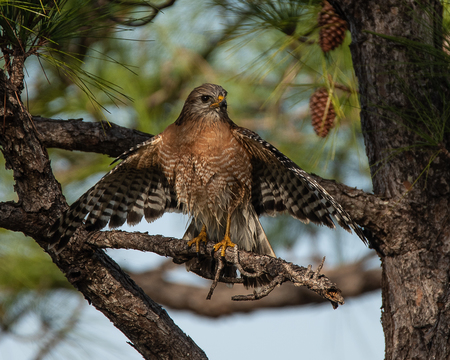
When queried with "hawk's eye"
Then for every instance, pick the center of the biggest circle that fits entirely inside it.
(205, 98)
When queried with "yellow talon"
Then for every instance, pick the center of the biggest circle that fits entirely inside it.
(201, 237)
(226, 242)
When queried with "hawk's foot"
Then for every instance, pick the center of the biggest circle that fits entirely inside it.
(201, 237)
(226, 242)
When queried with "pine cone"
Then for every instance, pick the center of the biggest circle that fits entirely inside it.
(321, 122)
(333, 28)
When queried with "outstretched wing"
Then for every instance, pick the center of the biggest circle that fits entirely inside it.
(134, 188)
(279, 185)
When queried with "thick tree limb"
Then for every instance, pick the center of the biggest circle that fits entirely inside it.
(14, 217)
(111, 291)
(76, 134)
(178, 249)
(367, 210)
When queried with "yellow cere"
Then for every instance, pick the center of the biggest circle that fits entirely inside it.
(219, 100)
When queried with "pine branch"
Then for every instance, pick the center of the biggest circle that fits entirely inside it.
(250, 262)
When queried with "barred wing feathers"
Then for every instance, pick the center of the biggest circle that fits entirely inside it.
(279, 185)
(135, 188)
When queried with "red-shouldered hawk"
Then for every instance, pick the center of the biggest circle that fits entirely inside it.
(222, 175)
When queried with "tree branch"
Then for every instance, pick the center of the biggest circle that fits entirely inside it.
(366, 209)
(156, 9)
(92, 272)
(111, 291)
(250, 262)
(13, 217)
(353, 279)
(74, 134)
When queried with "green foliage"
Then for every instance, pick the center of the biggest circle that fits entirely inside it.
(24, 266)
(56, 31)
(34, 23)
(288, 16)
(28, 24)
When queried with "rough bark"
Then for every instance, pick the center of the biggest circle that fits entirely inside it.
(248, 263)
(76, 134)
(393, 79)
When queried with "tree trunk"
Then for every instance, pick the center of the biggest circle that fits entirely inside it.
(396, 78)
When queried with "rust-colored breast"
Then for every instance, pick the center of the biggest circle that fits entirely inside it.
(207, 166)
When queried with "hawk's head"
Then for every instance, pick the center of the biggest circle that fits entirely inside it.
(206, 102)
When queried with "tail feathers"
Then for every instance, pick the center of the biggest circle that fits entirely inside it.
(256, 282)
(261, 242)
(263, 247)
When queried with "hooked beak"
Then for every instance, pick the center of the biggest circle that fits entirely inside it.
(220, 102)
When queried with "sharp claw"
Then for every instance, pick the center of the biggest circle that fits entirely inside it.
(226, 242)
(202, 237)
